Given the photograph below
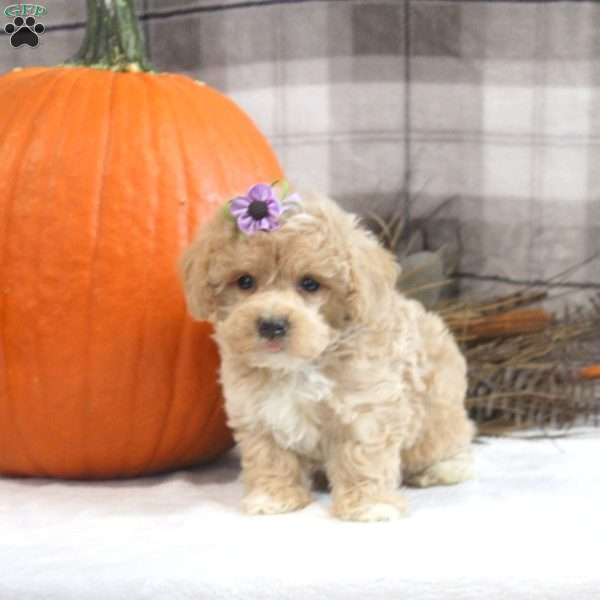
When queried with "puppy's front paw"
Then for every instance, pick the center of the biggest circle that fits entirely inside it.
(260, 502)
(388, 509)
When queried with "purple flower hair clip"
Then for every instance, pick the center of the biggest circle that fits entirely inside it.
(261, 208)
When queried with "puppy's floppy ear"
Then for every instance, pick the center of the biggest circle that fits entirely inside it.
(195, 268)
(373, 275)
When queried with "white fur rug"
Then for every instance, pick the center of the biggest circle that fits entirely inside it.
(528, 528)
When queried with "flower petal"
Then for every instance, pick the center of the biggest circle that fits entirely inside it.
(239, 205)
(274, 212)
(260, 191)
(254, 228)
(273, 207)
(240, 212)
(245, 223)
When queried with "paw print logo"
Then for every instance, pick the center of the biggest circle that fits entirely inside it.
(24, 31)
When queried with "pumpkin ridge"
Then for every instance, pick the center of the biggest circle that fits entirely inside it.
(156, 451)
(51, 188)
(25, 142)
(27, 73)
(141, 340)
(4, 443)
(189, 92)
(186, 441)
(98, 201)
(25, 81)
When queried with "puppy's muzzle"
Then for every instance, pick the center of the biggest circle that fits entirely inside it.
(272, 329)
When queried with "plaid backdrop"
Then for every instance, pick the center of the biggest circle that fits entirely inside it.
(495, 105)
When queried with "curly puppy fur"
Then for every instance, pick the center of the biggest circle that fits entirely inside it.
(365, 385)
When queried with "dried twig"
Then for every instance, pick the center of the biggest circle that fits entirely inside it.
(526, 367)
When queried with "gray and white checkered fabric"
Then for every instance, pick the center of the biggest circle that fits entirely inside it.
(493, 104)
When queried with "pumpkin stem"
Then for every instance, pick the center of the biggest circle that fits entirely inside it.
(113, 38)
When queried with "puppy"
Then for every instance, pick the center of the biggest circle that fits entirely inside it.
(325, 366)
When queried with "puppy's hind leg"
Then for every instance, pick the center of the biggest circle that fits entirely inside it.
(442, 452)
(447, 471)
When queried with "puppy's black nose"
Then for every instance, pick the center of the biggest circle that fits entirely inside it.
(272, 328)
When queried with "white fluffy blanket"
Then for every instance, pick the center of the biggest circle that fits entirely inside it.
(528, 528)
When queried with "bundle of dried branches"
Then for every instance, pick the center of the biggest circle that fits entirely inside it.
(527, 367)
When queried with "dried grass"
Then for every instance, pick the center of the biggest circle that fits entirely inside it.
(527, 367)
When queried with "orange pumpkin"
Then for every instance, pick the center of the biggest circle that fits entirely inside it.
(105, 175)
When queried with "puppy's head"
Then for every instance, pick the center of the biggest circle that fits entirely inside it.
(278, 299)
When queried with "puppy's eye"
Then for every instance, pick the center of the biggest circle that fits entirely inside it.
(308, 284)
(246, 282)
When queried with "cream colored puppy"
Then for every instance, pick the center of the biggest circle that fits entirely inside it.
(325, 366)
